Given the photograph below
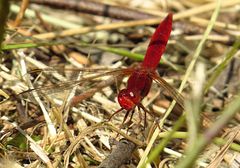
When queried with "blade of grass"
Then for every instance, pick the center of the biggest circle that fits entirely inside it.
(193, 105)
(204, 140)
(217, 140)
(122, 52)
(136, 56)
(159, 148)
(4, 9)
(223, 64)
(27, 45)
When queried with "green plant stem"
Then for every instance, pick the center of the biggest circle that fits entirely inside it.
(135, 56)
(158, 149)
(223, 64)
(4, 9)
(183, 135)
(26, 45)
(206, 138)
(122, 52)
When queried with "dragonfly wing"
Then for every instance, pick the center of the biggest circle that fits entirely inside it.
(72, 71)
(172, 91)
(67, 85)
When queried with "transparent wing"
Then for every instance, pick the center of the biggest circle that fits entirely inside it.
(87, 82)
(172, 91)
(65, 85)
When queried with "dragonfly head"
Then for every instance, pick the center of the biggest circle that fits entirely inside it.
(128, 99)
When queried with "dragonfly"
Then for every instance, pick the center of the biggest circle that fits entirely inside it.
(140, 80)
(140, 75)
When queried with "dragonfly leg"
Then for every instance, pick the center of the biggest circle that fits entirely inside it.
(157, 123)
(125, 118)
(130, 119)
(145, 119)
(121, 109)
(145, 115)
(126, 115)
(145, 110)
(139, 115)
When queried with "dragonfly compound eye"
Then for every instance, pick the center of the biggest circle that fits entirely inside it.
(126, 99)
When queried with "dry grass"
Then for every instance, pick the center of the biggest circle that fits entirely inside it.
(49, 57)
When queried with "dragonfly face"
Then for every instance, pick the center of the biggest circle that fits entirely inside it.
(128, 99)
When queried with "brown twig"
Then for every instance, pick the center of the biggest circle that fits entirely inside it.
(20, 14)
(95, 8)
(120, 155)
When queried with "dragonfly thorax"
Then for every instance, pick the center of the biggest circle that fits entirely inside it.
(138, 86)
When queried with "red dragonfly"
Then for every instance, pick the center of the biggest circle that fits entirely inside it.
(140, 80)
(141, 75)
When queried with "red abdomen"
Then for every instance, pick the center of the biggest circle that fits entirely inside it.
(158, 43)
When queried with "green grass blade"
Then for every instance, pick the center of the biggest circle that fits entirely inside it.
(222, 65)
(204, 140)
(4, 9)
